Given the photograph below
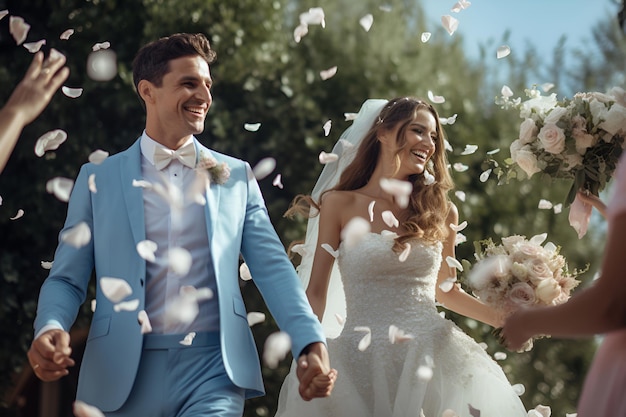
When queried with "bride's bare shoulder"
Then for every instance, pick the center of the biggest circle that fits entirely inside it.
(338, 198)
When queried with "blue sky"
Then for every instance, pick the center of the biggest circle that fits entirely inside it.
(540, 22)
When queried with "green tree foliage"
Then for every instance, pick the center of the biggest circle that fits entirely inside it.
(263, 76)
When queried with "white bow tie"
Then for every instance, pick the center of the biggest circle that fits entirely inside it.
(186, 154)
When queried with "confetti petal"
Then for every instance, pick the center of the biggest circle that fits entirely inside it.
(366, 340)
(77, 236)
(397, 335)
(314, 16)
(484, 176)
(98, 156)
(425, 373)
(144, 321)
(255, 317)
(101, 45)
(252, 127)
(72, 92)
(389, 219)
(33, 47)
(46, 264)
(19, 214)
(460, 195)
(469, 149)
(276, 347)
(82, 409)
(18, 29)
(327, 158)
(366, 22)
(370, 210)
(448, 120)
(183, 309)
(453, 263)
(142, 184)
(405, 252)
(341, 320)
(544, 205)
(503, 51)
(3, 13)
(299, 248)
(519, 389)
(449, 23)
(435, 99)
(130, 305)
(330, 249)
(66, 34)
(329, 73)
(447, 284)
(188, 339)
(401, 190)
(146, 249)
(327, 127)
(244, 272)
(558, 208)
(460, 5)
(91, 182)
(499, 356)
(60, 187)
(429, 179)
(300, 31)
(179, 260)
(102, 65)
(458, 228)
(459, 167)
(278, 182)
(356, 228)
(425, 37)
(494, 151)
(506, 91)
(264, 168)
(49, 141)
(115, 289)
(460, 238)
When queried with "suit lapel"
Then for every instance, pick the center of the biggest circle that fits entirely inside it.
(130, 170)
(212, 195)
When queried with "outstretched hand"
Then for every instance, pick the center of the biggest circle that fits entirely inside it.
(514, 335)
(316, 377)
(49, 355)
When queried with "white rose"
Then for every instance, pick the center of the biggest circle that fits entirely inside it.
(539, 104)
(555, 115)
(573, 160)
(552, 138)
(583, 140)
(519, 270)
(615, 120)
(619, 95)
(598, 111)
(527, 131)
(524, 157)
(509, 241)
(547, 290)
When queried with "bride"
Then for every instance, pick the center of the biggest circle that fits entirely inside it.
(395, 356)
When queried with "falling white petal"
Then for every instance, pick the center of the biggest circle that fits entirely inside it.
(453, 263)
(98, 156)
(469, 149)
(188, 339)
(300, 31)
(519, 389)
(547, 87)
(91, 183)
(244, 272)
(278, 181)
(130, 305)
(102, 65)
(66, 34)
(389, 219)
(459, 167)
(146, 249)
(370, 210)
(60, 187)
(506, 91)
(484, 176)
(314, 16)
(327, 158)
(82, 409)
(201, 294)
(448, 120)
(33, 47)
(276, 347)
(49, 141)
(101, 45)
(356, 228)
(72, 92)
(46, 264)
(255, 317)
(503, 51)
(447, 284)
(19, 214)
(500, 356)
(366, 340)
(538, 239)
(397, 335)
(425, 373)
(429, 179)
(264, 168)
(460, 195)
(327, 127)
(183, 309)
(341, 320)
(329, 73)
(299, 248)
(18, 29)
(425, 37)
(405, 252)
(494, 151)
(77, 236)
(144, 321)
(385, 8)
(330, 249)
(558, 208)
(460, 238)
(401, 190)
(115, 289)
(544, 204)
(460, 5)
(3, 13)
(458, 228)
(142, 184)
(350, 116)
(449, 23)
(252, 127)
(435, 99)
(366, 22)
(179, 260)
(93, 305)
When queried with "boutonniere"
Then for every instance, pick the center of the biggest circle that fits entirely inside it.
(219, 172)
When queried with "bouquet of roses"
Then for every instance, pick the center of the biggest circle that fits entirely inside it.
(579, 139)
(520, 273)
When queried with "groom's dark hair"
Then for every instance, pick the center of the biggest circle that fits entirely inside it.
(152, 61)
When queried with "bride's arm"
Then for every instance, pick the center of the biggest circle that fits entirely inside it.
(456, 299)
(329, 232)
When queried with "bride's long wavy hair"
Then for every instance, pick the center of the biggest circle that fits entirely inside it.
(429, 205)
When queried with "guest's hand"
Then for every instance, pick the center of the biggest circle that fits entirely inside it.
(593, 200)
(514, 333)
(49, 355)
(314, 373)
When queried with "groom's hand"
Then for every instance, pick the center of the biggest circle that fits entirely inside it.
(49, 355)
(314, 373)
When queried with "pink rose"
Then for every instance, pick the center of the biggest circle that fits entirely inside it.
(522, 294)
(523, 156)
(527, 131)
(552, 138)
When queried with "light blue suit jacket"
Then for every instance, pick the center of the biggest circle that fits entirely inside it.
(237, 223)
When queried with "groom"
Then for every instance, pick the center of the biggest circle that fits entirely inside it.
(198, 364)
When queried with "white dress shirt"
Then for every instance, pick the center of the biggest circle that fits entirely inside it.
(171, 228)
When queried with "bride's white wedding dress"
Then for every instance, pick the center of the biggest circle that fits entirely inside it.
(438, 368)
